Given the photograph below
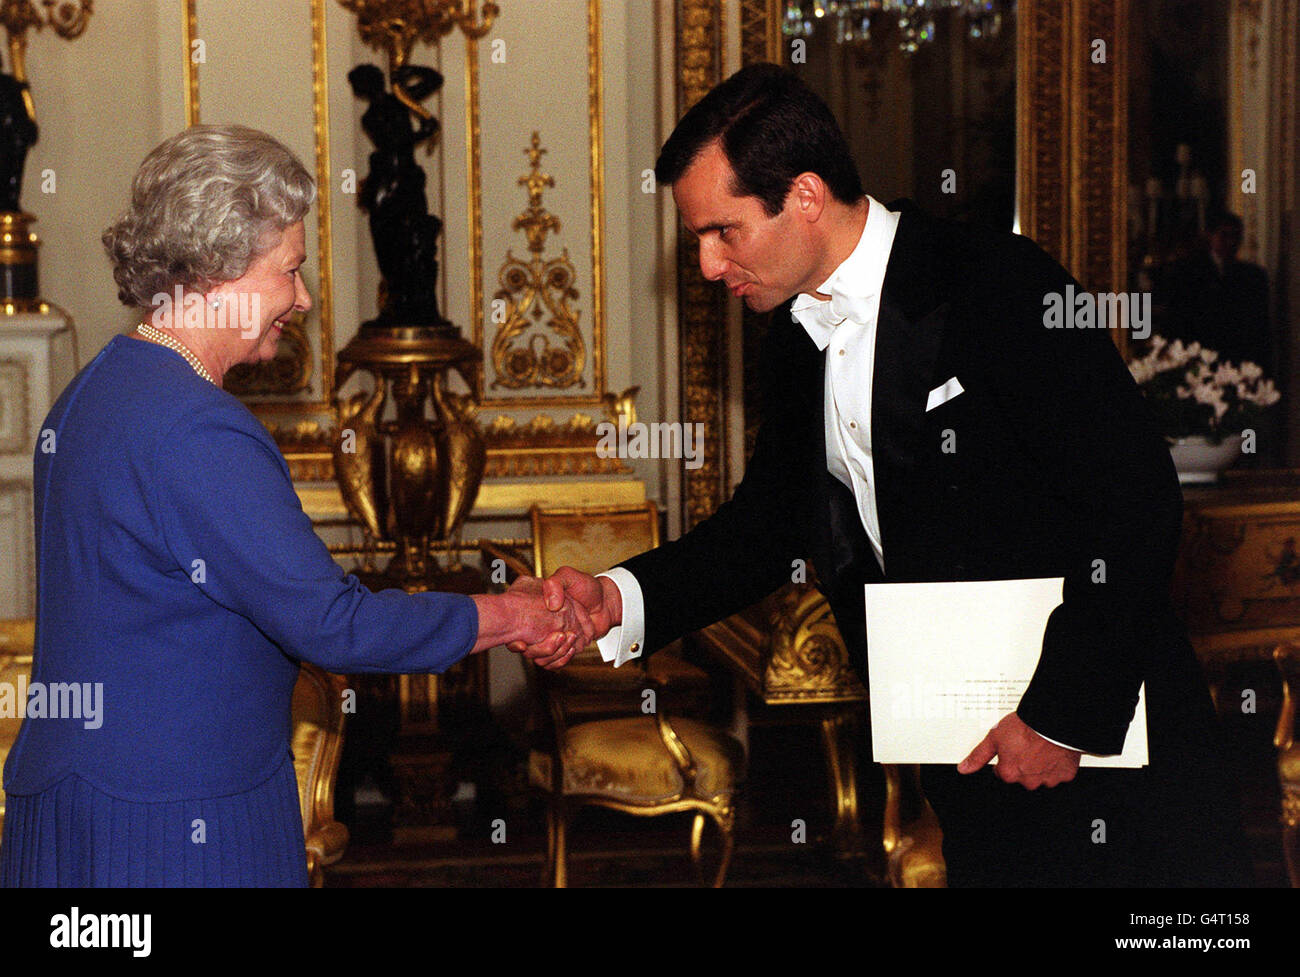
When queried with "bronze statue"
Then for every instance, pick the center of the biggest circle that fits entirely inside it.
(18, 133)
(405, 234)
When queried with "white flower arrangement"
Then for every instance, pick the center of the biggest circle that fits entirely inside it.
(1193, 392)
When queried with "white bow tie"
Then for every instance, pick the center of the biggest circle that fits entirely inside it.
(821, 317)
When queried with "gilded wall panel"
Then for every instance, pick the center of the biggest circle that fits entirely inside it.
(702, 304)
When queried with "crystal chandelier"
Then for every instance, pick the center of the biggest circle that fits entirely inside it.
(853, 20)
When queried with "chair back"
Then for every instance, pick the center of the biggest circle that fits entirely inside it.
(591, 539)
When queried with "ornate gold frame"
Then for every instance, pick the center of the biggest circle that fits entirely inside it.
(1072, 135)
(190, 71)
(474, 194)
(1072, 161)
(702, 306)
(596, 156)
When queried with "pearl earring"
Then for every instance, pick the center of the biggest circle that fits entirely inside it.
(215, 301)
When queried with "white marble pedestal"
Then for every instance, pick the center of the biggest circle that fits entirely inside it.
(38, 358)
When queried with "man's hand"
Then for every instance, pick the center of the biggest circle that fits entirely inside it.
(1024, 757)
(598, 597)
(521, 616)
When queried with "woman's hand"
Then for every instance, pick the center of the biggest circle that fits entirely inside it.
(599, 597)
(520, 616)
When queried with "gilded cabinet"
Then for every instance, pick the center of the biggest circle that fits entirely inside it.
(1237, 583)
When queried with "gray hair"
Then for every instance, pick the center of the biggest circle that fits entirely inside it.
(205, 205)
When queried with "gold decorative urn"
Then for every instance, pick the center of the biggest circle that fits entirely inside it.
(411, 479)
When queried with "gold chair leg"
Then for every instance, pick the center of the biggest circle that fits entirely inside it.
(559, 867)
(838, 737)
(1291, 837)
(726, 820)
(892, 833)
(913, 852)
(548, 867)
(697, 837)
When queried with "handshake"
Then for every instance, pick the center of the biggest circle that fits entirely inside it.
(549, 621)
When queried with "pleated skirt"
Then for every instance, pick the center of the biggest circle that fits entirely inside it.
(72, 835)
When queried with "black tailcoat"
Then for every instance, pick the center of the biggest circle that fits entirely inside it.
(1047, 464)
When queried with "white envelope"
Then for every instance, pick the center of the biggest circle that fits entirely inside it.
(948, 660)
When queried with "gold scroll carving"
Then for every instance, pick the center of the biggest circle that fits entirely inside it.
(536, 293)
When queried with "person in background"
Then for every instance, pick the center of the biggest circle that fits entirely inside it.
(1213, 298)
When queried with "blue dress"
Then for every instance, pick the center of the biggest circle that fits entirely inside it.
(179, 583)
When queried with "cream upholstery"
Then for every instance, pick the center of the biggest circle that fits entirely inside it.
(625, 759)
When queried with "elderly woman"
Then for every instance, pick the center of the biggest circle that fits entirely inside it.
(178, 575)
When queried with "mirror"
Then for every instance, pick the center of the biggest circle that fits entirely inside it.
(928, 105)
(1203, 212)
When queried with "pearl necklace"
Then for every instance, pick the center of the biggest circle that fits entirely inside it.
(158, 336)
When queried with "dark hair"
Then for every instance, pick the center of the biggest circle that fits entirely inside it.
(772, 127)
(1225, 218)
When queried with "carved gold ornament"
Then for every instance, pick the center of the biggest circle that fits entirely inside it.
(544, 446)
(393, 26)
(69, 20)
(808, 657)
(536, 290)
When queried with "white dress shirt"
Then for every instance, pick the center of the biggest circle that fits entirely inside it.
(845, 326)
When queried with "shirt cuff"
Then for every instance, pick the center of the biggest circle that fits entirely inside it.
(1065, 746)
(624, 642)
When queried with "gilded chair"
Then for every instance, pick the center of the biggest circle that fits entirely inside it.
(913, 849)
(1287, 656)
(645, 765)
(317, 745)
(606, 736)
(17, 639)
